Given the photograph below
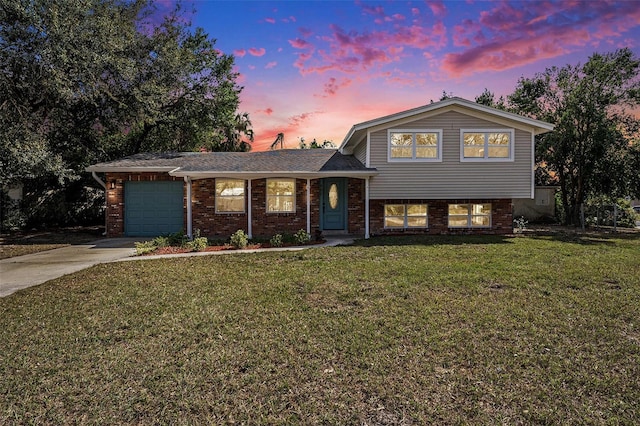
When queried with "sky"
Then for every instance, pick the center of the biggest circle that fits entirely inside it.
(313, 69)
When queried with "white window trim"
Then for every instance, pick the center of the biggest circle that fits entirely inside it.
(438, 159)
(486, 159)
(244, 195)
(469, 224)
(266, 198)
(406, 221)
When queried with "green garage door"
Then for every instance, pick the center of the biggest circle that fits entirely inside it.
(153, 208)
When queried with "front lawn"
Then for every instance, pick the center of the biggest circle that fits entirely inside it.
(429, 330)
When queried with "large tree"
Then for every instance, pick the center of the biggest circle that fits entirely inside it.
(83, 81)
(594, 147)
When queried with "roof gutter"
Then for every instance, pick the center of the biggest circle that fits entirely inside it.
(266, 174)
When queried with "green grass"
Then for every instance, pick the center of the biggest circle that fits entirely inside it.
(430, 330)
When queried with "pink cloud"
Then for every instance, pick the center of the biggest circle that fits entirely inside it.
(305, 32)
(270, 65)
(332, 86)
(254, 51)
(300, 44)
(415, 11)
(437, 7)
(240, 53)
(513, 35)
(270, 20)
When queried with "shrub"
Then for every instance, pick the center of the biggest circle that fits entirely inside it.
(178, 239)
(239, 239)
(145, 247)
(276, 240)
(162, 241)
(520, 223)
(302, 237)
(198, 244)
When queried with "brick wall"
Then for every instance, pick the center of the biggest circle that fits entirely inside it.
(115, 197)
(501, 217)
(268, 224)
(355, 206)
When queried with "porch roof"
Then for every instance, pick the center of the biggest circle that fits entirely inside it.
(308, 163)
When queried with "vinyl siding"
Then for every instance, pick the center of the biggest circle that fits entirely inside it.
(360, 152)
(451, 178)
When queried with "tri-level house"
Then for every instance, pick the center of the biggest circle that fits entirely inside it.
(445, 168)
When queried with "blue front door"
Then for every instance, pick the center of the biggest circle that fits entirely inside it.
(334, 204)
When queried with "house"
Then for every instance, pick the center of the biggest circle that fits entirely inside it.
(445, 168)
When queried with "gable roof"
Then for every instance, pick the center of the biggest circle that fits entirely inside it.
(199, 165)
(358, 132)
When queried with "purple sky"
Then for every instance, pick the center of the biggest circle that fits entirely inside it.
(312, 69)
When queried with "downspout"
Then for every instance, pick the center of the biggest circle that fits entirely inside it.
(309, 206)
(249, 218)
(106, 202)
(366, 208)
(187, 180)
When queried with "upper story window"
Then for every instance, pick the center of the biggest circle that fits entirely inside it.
(229, 196)
(281, 195)
(415, 145)
(486, 145)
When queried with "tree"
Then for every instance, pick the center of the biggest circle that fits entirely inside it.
(92, 80)
(593, 149)
(489, 99)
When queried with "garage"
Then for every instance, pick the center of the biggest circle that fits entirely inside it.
(153, 208)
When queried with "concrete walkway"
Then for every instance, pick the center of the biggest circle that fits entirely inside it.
(29, 270)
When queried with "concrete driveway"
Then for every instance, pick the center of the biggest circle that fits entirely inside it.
(32, 269)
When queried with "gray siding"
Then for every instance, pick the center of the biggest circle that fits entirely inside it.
(360, 152)
(451, 178)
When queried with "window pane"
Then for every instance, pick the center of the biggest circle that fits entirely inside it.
(417, 209)
(499, 152)
(394, 209)
(473, 139)
(401, 139)
(280, 187)
(426, 139)
(401, 152)
(394, 222)
(473, 151)
(230, 204)
(226, 187)
(422, 152)
(457, 221)
(481, 209)
(417, 221)
(480, 221)
(498, 139)
(458, 209)
(282, 203)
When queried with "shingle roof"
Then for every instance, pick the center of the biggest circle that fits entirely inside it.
(287, 161)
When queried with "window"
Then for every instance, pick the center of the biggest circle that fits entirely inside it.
(405, 216)
(229, 196)
(412, 145)
(281, 195)
(469, 215)
(493, 145)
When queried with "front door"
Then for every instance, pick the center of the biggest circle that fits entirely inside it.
(334, 204)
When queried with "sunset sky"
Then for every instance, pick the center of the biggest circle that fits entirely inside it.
(312, 69)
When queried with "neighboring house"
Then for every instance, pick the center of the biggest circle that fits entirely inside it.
(449, 167)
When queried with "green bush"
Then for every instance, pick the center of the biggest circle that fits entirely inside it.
(178, 239)
(162, 241)
(198, 244)
(276, 240)
(145, 247)
(302, 237)
(239, 239)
